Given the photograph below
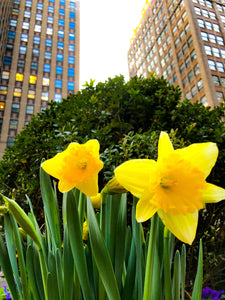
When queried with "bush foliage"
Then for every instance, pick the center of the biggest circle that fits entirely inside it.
(126, 118)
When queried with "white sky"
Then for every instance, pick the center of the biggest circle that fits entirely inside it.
(105, 31)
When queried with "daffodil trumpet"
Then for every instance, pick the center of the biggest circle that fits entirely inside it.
(174, 186)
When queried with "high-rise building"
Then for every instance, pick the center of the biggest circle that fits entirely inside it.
(183, 41)
(41, 60)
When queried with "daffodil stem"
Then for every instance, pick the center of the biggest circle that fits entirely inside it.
(43, 271)
(150, 258)
(166, 258)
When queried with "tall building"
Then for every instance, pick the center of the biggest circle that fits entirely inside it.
(41, 60)
(183, 41)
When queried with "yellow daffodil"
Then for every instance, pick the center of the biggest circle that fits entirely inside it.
(96, 200)
(77, 166)
(85, 231)
(174, 186)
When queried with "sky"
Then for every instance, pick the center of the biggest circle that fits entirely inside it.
(106, 27)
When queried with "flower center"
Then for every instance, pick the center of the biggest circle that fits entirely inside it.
(82, 164)
(167, 182)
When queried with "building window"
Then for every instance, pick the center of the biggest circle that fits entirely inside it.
(49, 31)
(71, 59)
(184, 82)
(62, 12)
(60, 45)
(205, 13)
(72, 36)
(34, 65)
(27, 14)
(59, 70)
(19, 77)
(188, 95)
(70, 72)
(197, 10)
(212, 15)
(61, 33)
(50, 20)
(200, 85)
(40, 6)
(26, 25)
(58, 97)
(48, 43)
(72, 15)
(190, 76)
(72, 25)
(30, 109)
(212, 64)
(212, 38)
(216, 80)
(71, 48)
(13, 23)
(201, 23)
(15, 107)
(37, 40)
(184, 48)
(61, 22)
(24, 37)
(22, 50)
(222, 53)
(39, 17)
(35, 52)
(70, 85)
(203, 100)
(51, 9)
(21, 63)
(216, 27)
(194, 91)
(220, 40)
(44, 96)
(58, 83)
(3, 90)
(182, 68)
(204, 36)
(196, 69)
(208, 50)
(222, 79)
(220, 96)
(187, 62)
(208, 25)
(17, 92)
(10, 141)
(11, 34)
(28, 3)
(47, 68)
(45, 81)
(32, 79)
(216, 52)
(48, 55)
(72, 5)
(220, 66)
(59, 57)
(7, 60)
(37, 28)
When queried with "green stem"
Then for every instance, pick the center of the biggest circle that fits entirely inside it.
(166, 258)
(150, 258)
(44, 272)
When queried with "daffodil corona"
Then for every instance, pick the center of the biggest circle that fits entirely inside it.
(77, 166)
(174, 186)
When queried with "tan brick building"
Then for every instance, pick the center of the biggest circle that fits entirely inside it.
(41, 61)
(183, 41)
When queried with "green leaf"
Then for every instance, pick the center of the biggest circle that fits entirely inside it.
(76, 242)
(51, 207)
(68, 266)
(101, 255)
(176, 276)
(183, 270)
(197, 290)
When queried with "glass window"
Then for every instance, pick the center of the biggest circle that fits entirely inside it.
(212, 38)
(212, 15)
(61, 33)
(179, 55)
(26, 25)
(177, 42)
(27, 14)
(70, 72)
(60, 45)
(184, 82)
(208, 25)
(197, 10)
(222, 53)
(45, 81)
(182, 36)
(59, 70)
(5, 75)
(201, 23)
(61, 22)
(220, 40)
(72, 15)
(59, 57)
(15, 107)
(39, 17)
(174, 77)
(34, 65)
(48, 55)
(17, 92)
(44, 96)
(58, 97)
(7, 60)
(216, 52)
(216, 80)
(13, 22)
(196, 69)
(31, 94)
(208, 50)
(70, 85)
(203, 100)
(184, 48)
(28, 3)
(71, 59)
(208, 3)
(187, 28)
(220, 96)
(216, 27)
(51, 9)
(212, 64)
(72, 4)
(3, 91)
(32, 79)
(222, 79)
(220, 66)
(37, 39)
(72, 36)
(23, 50)
(193, 91)
(40, 6)
(182, 68)
(30, 109)
(72, 25)
(10, 141)
(48, 43)
(47, 68)
(71, 48)
(21, 63)
(62, 12)
(49, 31)
(58, 83)
(62, 2)
(19, 77)
(205, 13)
(13, 124)
(188, 95)
(50, 20)
(35, 52)
(190, 41)
(190, 76)
(187, 62)
(11, 34)
(24, 37)
(37, 28)
(204, 36)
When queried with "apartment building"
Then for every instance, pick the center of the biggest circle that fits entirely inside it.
(183, 41)
(40, 62)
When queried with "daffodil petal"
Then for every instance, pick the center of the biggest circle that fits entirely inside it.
(144, 209)
(134, 175)
(203, 156)
(165, 146)
(89, 187)
(49, 166)
(213, 193)
(94, 146)
(182, 226)
(65, 185)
